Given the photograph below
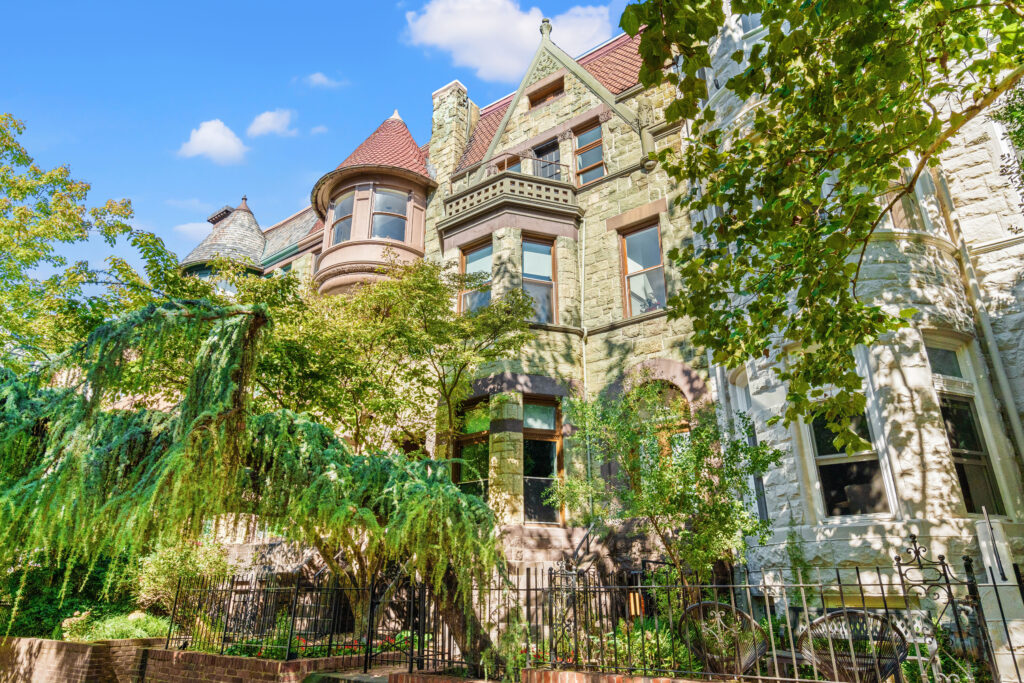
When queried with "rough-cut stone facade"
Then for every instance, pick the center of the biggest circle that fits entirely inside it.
(593, 343)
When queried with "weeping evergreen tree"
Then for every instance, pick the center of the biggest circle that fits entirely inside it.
(83, 475)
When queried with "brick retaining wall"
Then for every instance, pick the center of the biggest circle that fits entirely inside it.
(176, 666)
(36, 660)
(546, 676)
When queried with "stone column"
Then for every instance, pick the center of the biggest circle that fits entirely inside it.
(506, 456)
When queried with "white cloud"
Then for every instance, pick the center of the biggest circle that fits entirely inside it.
(272, 122)
(322, 80)
(215, 141)
(317, 130)
(195, 231)
(190, 204)
(497, 38)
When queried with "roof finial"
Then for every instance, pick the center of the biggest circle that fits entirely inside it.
(243, 206)
(395, 116)
(545, 27)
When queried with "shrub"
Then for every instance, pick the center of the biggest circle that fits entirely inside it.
(160, 571)
(120, 626)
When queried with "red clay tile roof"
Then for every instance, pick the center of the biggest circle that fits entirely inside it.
(616, 66)
(483, 132)
(390, 145)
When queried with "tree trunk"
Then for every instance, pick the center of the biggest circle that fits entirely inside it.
(466, 629)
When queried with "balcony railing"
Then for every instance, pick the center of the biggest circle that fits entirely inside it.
(535, 181)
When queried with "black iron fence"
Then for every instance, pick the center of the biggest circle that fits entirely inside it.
(915, 621)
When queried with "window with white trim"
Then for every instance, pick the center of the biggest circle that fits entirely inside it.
(390, 208)
(477, 261)
(850, 484)
(643, 271)
(963, 430)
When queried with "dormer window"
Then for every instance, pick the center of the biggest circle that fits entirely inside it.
(343, 218)
(547, 93)
(389, 214)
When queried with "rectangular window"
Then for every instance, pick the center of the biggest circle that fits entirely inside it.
(389, 212)
(643, 272)
(850, 484)
(542, 460)
(539, 279)
(472, 448)
(944, 362)
(342, 217)
(547, 93)
(970, 456)
(477, 261)
(589, 155)
(547, 163)
(512, 163)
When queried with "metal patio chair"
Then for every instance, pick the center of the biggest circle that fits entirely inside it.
(854, 646)
(727, 639)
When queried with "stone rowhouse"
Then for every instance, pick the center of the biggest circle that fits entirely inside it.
(551, 189)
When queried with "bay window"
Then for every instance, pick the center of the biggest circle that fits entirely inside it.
(477, 261)
(850, 484)
(539, 278)
(389, 214)
(342, 216)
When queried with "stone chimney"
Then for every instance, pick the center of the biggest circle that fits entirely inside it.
(454, 118)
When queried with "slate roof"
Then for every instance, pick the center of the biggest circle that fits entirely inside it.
(238, 237)
(390, 145)
(289, 231)
(615, 65)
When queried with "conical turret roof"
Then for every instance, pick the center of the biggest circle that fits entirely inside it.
(390, 145)
(237, 236)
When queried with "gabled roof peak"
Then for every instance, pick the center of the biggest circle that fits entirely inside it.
(545, 27)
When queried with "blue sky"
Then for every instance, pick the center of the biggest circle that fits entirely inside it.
(183, 107)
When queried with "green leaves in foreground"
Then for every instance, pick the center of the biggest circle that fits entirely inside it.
(849, 103)
(83, 475)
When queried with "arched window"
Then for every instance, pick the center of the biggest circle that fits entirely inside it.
(389, 214)
(343, 217)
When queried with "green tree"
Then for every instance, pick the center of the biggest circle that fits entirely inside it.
(674, 471)
(855, 101)
(40, 212)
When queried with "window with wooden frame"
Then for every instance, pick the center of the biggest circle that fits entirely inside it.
(513, 163)
(589, 155)
(342, 217)
(542, 459)
(850, 484)
(549, 92)
(476, 261)
(539, 273)
(390, 209)
(643, 274)
(471, 470)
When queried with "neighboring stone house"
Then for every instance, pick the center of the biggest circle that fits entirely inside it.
(551, 189)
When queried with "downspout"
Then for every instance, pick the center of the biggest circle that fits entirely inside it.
(982, 316)
(581, 258)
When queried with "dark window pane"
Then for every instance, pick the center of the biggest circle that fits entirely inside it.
(823, 436)
(961, 429)
(390, 201)
(537, 261)
(476, 299)
(539, 458)
(642, 250)
(536, 416)
(647, 291)
(762, 503)
(343, 205)
(943, 362)
(475, 488)
(978, 488)
(343, 230)
(853, 488)
(533, 501)
(515, 168)
(592, 174)
(388, 227)
(588, 136)
(546, 165)
(541, 294)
